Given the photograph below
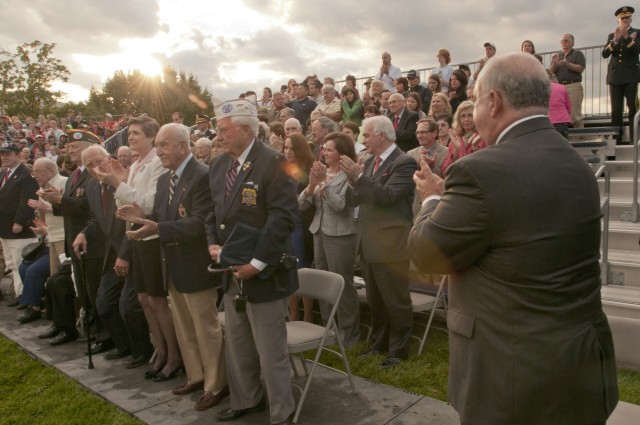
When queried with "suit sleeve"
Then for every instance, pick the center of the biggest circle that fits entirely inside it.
(455, 235)
(608, 47)
(127, 194)
(183, 230)
(24, 213)
(407, 136)
(282, 206)
(385, 191)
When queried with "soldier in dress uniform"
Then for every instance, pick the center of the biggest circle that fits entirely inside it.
(203, 124)
(623, 73)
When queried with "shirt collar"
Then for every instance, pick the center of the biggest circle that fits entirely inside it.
(513, 124)
(243, 157)
(180, 169)
(384, 155)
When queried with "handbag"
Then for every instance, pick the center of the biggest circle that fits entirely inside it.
(34, 250)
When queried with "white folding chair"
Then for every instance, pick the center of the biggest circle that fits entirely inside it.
(304, 336)
(422, 303)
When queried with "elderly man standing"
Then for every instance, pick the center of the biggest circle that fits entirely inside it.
(330, 107)
(251, 189)
(203, 125)
(522, 251)
(181, 204)
(125, 156)
(623, 72)
(568, 66)
(388, 73)
(73, 206)
(16, 188)
(404, 121)
(384, 191)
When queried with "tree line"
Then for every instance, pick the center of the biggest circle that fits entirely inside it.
(28, 73)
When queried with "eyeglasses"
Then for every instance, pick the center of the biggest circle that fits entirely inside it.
(420, 133)
(565, 40)
(625, 17)
(222, 130)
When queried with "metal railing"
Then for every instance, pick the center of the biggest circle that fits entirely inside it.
(634, 206)
(596, 94)
(604, 206)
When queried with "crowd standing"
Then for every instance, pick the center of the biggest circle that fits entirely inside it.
(329, 178)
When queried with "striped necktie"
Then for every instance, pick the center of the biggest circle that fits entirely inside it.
(231, 177)
(172, 185)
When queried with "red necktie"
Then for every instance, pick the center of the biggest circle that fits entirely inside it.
(76, 177)
(5, 178)
(396, 121)
(376, 165)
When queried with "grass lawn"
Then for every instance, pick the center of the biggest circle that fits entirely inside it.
(32, 393)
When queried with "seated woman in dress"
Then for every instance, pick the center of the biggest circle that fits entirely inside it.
(439, 105)
(466, 139)
(334, 229)
(413, 103)
(457, 89)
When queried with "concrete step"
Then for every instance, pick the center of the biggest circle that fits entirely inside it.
(624, 268)
(620, 168)
(620, 209)
(621, 301)
(621, 187)
(623, 235)
(624, 152)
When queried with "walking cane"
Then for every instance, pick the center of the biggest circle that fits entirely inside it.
(87, 326)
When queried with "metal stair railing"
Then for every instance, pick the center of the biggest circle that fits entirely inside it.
(604, 206)
(635, 210)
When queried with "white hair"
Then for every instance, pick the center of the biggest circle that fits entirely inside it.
(293, 121)
(203, 141)
(92, 148)
(48, 163)
(381, 125)
(252, 122)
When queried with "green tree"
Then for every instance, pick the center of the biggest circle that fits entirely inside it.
(26, 77)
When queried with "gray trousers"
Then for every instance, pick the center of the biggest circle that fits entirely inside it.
(337, 254)
(257, 341)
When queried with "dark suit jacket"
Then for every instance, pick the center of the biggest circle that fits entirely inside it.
(406, 132)
(185, 256)
(115, 243)
(624, 66)
(264, 197)
(385, 200)
(75, 211)
(13, 203)
(518, 229)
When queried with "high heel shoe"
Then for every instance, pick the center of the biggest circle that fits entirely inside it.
(161, 377)
(151, 373)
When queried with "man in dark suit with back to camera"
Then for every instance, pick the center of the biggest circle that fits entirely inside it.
(16, 188)
(250, 187)
(517, 228)
(384, 191)
(404, 122)
(623, 72)
(180, 207)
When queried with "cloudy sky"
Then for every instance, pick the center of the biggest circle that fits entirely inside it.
(238, 45)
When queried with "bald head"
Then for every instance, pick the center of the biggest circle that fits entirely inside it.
(44, 169)
(173, 145)
(396, 103)
(511, 87)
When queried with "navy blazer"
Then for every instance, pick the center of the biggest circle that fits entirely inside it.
(185, 256)
(13, 203)
(406, 132)
(264, 197)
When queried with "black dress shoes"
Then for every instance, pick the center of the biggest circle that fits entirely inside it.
(14, 302)
(161, 377)
(49, 333)
(100, 347)
(64, 337)
(22, 307)
(227, 415)
(29, 316)
(117, 353)
(139, 360)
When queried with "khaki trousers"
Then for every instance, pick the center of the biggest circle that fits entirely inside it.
(12, 249)
(576, 95)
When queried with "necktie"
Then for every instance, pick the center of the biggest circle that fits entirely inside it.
(4, 179)
(172, 185)
(105, 200)
(396, 121)
(376, 165)
(76, 177)
(231, 177)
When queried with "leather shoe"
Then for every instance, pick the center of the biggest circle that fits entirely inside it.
(49, 333)
(29, 316)
(390, 362)
(117, 353)
(22, 307)
(227, 415)
(136, 361)
(161, 377)
(64, 337)
(188, 388)
(100, 347)
(14, 302)
(368, 354)
(208, 400)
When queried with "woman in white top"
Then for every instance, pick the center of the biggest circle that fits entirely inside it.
(138, 184)
(444, 70)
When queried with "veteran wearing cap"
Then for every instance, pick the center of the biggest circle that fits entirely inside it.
(181, 204)
(623, 72)
(203, 125)
(73, 206)
(251, 190)
(489, 52)
(16, 188)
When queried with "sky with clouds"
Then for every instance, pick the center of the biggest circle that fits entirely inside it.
(238, 45)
